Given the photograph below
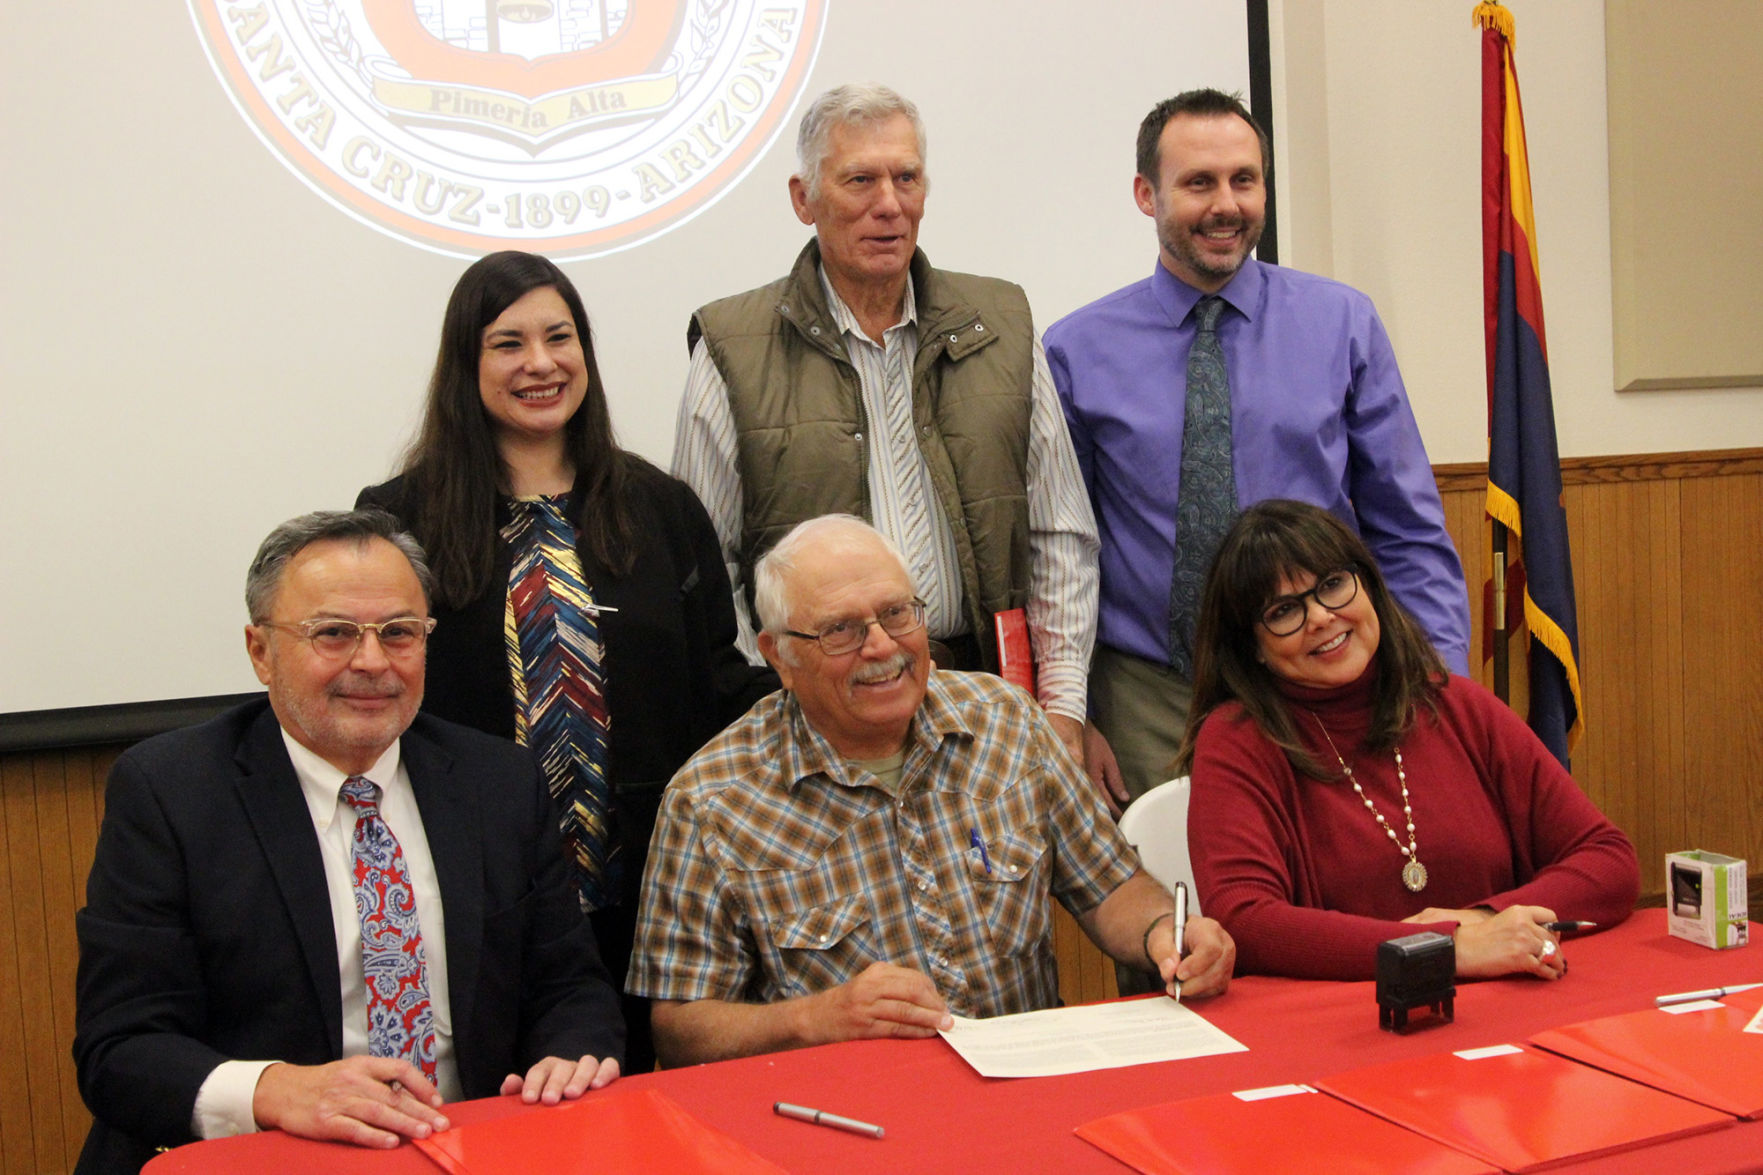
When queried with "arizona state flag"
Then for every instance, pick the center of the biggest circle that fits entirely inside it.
(1524, 466)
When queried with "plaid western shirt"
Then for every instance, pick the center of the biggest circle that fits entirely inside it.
(779, 870)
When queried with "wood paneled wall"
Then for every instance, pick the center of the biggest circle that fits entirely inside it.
(1668, 570)
(1668, 565)
(50, 804)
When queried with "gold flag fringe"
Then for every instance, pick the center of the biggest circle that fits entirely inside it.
(1494, 16)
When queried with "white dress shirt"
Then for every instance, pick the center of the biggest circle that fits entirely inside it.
(223, 1104)
(1063, 577)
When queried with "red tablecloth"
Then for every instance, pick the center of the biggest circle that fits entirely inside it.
(941, 1117)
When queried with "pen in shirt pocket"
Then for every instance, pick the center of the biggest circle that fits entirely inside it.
(984, 857)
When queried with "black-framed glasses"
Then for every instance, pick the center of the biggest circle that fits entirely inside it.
(334, 638)
(1285, 615)
(844, 636)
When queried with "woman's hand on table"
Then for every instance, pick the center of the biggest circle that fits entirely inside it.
(1511, 942)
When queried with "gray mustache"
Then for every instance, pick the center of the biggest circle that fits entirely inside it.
(882, 670)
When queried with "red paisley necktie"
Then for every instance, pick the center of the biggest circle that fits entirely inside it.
(400, 1022)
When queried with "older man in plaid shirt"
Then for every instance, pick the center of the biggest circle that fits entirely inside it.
(873, 847)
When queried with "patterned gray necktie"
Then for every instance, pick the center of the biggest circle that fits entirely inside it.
(1208, 500)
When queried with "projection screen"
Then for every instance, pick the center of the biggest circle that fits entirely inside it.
(231, 226)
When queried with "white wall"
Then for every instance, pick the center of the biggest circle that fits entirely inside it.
(1380, 112)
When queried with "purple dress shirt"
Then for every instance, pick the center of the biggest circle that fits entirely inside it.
(1318, 413)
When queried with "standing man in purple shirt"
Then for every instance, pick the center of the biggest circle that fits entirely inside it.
(1310, 403)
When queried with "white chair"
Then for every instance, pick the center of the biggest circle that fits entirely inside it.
(1156, 824)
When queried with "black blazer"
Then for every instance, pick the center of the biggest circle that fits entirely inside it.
(207, 932)
(673, 675)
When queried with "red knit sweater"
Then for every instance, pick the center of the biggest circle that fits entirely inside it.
(1308, 883)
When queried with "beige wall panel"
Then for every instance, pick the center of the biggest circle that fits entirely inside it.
(1378, 104)
(1685, 114)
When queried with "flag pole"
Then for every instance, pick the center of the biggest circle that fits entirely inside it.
(1502, 638)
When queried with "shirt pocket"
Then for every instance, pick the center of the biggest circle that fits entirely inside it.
(822, 946)
(1012, 896)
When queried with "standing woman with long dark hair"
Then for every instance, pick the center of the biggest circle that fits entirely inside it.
(584, 607)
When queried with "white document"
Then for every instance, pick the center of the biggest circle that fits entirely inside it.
(1096, 1036)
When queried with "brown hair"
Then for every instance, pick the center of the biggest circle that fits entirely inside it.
(1269, 541)
(1199, 104)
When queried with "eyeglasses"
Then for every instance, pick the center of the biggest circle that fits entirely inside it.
(844, 636)
(1334, 591)
(335, 639)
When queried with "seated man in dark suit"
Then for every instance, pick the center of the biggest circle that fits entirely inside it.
(326, 913)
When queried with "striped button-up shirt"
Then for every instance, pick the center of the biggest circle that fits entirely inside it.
(779, 870)
(1063, 577)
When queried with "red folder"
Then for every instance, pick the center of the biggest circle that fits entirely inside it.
(1704, 1055)
(607, 1130)
(1520, 1109)
(1016, 661)
(1299, 1130)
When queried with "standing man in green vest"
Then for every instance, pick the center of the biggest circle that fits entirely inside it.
(867, 382)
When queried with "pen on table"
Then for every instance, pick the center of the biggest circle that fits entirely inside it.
(822, 1118)
(974, 840)
(1180, 927)
(1558, 927)
(1713, 993)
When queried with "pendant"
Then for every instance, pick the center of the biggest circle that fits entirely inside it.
(1414, 875)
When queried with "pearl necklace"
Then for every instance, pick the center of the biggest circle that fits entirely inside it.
(1413, 873)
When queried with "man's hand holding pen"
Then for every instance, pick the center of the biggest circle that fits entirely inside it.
(1205, 963)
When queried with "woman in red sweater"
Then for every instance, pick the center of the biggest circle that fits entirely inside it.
(1348, 790)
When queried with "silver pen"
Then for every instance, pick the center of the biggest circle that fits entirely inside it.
(1713, 993)
(822, 1118)
(1180, 927)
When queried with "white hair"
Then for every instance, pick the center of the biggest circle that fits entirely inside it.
(864, 104)
(771, 595)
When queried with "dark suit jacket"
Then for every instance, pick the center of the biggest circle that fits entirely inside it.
(674, 677)
(207, 932)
